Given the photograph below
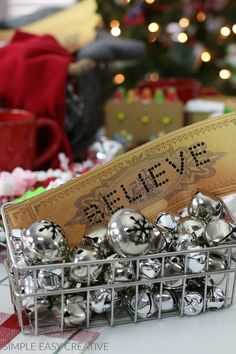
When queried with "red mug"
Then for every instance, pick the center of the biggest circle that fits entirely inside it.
(18, 140)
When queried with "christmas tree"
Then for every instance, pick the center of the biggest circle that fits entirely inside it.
(184, 39)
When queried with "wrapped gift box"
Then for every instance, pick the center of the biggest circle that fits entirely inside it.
(143, 121)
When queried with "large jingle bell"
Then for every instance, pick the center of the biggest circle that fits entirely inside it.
(205, 206)
(193, 303)
(192, 226)
(168, 300)
(129, 233)
(145, 303)
(44, 241)
(168, 221)
(215, 298)
(74, 311)
(172, 268)
(122, 270)
(101, 300)
(79, 273)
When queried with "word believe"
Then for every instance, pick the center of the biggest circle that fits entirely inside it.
(196, 155)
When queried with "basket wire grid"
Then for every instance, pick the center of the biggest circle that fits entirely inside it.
(36, 325)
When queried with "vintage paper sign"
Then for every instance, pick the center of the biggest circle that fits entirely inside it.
(158, 176)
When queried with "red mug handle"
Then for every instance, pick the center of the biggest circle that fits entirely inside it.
(56, 141)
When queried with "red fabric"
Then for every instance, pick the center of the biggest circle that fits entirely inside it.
(33, 76)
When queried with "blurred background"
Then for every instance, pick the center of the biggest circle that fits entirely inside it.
(184, 38)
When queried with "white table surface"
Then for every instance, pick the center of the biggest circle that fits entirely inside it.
(209, 333)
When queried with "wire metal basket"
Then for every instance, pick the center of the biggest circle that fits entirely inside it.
(37, 325)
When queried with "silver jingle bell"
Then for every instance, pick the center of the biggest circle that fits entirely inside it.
(96, 236)
(21, 262)
(74, 311)
(79, 273)
(101, 300)
(44, 241)
(168, 221)
(218, 232)
(51, 279)
(105, 149)
(43, 307)
(149, 268)
(160, 239)
(3, 238)
(183, 242)
(145, 303)
(16, 234)
(196, 284)
(28, 285)
(16, 240)
(129, 233)
(192, 226)
(216, 264)
(196, 261)
(205, 206)
(172, 268)
(122, 270)
(215, 298)
(169, 301)
(193, 303)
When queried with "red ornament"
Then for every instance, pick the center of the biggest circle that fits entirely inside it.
(135, 16)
